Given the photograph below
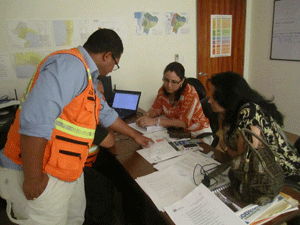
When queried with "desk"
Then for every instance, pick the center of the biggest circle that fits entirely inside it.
(137, 166)
(123, 164)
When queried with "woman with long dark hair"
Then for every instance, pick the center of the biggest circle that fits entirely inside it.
(243, 107)
(177, 104)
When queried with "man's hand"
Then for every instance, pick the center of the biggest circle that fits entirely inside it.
(34, 187)
(35, 180)
(142, 140)
(121, 127)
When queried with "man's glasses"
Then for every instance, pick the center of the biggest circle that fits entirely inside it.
(116, 66)
(166, 80)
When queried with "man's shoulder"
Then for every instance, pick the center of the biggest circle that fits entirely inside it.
(63, 59)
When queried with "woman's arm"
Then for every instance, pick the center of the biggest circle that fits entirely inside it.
(240, 144)
(148, 119)
(151, 119)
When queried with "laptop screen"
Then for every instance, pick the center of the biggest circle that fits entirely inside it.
(126, 100)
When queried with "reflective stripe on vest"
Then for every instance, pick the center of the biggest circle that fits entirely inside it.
(93, 152)
(93, 149)
(67, 150)
(73, 129)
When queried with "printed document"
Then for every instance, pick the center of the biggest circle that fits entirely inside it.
(147, 130)
(159, 152)
(202, 207)
(177, 177)
(165, 187)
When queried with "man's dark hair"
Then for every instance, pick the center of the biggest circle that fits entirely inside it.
(104, 40)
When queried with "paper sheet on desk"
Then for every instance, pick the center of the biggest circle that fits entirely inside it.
(174, 181)
(202, 207)
(185, 166)
(147, 130)
(165, 187)
(160, 136)
(186, 163)
(158, 152)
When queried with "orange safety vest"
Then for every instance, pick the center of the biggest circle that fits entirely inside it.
(92, 156)
(73, 135)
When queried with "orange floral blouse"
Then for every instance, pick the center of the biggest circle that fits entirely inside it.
(187, 109)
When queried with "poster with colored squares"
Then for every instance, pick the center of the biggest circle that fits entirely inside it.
(221, 31)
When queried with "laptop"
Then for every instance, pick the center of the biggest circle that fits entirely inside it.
(126, 103)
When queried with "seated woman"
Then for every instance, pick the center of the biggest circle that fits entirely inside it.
(177, 105)
(243, 107)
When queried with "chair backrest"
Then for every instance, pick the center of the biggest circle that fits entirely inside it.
(297, 145)
(211, 115)
(213, 120)
(198, 86)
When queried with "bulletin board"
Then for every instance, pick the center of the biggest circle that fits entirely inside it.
(285, 43)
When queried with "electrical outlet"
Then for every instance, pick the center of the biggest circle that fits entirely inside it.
(176, 57)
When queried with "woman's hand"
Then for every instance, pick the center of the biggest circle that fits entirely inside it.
(145, 121)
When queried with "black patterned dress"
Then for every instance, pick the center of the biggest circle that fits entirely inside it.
(252, 115)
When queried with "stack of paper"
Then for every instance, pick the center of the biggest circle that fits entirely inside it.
(146, 130)
(202, 207)
(159, 152)
(177, 177)
(165, 187)
(254, 214)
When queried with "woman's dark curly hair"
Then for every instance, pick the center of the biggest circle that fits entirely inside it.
(180, 72)
(232, 91)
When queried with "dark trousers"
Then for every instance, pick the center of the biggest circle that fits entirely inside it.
(137, 208)
(99, 191)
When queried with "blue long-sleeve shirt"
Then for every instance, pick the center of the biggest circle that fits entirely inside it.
(62, 78)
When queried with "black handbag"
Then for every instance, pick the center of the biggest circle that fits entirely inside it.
(255, 175)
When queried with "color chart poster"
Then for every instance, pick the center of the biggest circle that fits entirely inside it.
(221, 30)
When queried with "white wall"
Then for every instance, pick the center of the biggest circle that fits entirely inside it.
(276, 78)
(144, 58)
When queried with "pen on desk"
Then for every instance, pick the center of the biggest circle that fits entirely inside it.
(174, 146)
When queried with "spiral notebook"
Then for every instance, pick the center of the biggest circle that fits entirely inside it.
(225, 193)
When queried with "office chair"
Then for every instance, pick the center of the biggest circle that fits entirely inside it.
(208, 112)
(198, 86)
(213, 120)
